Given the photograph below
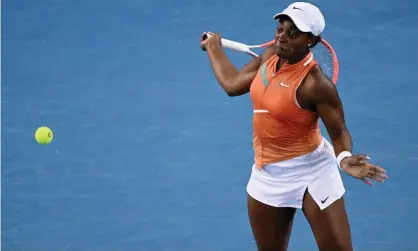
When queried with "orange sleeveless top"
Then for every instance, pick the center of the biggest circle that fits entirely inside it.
(282, 130)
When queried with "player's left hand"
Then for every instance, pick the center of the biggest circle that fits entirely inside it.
(359, 167)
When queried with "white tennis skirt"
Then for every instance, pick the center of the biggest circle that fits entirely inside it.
(283, 184)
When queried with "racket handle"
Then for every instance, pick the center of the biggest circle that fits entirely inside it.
(236, 46)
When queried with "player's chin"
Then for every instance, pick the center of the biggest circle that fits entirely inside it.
(282, 53)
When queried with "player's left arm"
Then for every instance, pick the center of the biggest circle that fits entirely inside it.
(323, 94)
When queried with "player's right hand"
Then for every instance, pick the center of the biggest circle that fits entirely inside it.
(213, 40)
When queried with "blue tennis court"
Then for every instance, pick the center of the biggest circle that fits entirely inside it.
(150, 154)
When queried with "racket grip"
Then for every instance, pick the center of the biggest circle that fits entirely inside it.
(236, 46)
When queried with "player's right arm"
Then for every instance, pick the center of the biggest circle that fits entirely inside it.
(234, 82)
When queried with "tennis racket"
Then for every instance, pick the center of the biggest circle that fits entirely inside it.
(323, 52)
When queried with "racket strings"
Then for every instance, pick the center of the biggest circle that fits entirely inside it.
(325, 60)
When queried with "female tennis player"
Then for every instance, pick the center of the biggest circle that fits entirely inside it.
(295, 167)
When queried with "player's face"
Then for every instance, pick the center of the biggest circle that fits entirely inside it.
(290, 41)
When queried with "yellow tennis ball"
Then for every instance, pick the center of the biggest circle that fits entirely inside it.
(44, 135)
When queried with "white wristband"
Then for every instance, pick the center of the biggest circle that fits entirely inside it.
(341, 156)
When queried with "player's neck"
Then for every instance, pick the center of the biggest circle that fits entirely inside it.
(297, 58)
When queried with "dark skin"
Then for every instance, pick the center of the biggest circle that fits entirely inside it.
(272, 226)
